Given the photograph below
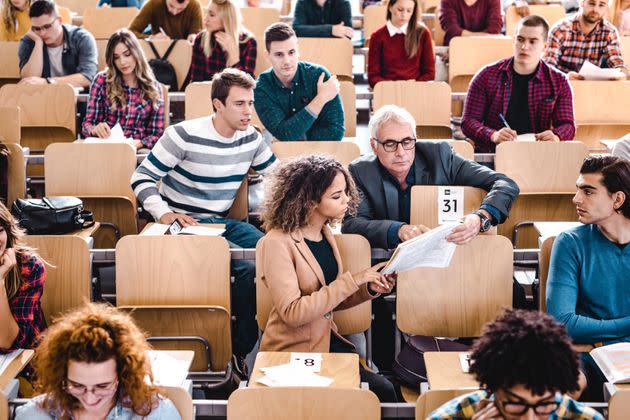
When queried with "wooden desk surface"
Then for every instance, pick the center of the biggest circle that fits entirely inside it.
(15, 367)
(342, 367)
(444, 371)
(87, 232)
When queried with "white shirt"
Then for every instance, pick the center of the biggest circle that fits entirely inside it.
(394, 30)
(54, 57)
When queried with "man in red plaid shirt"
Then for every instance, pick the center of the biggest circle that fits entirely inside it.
(585, 36)
(519, 95)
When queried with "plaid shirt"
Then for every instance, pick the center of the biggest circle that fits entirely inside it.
(465, 406)
(568, 47)
(26, 304)
(138, 118)
(202, 68)
(550, 103)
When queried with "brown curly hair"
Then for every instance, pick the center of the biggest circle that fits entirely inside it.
(296, 186)
(95, 333)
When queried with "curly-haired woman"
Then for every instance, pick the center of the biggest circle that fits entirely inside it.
(299, 262)
(126, 92)
(22, 275)
(93, 364)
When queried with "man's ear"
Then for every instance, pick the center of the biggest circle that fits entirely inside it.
(217, 104)
(373, 145)
(619, 199)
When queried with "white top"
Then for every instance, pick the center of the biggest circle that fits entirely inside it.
(54, 56)
(394, 30)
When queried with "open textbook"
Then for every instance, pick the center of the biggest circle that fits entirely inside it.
(590, 71)
(430, 249)
(614, 362)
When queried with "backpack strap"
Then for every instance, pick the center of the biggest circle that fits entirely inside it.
(169, 49)
(155, 52)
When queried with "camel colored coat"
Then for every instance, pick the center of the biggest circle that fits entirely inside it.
(301, 318)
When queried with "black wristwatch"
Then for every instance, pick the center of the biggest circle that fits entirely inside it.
(486, 222)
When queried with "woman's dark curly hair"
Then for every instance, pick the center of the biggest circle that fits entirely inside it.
(296, 186)
(528, 348)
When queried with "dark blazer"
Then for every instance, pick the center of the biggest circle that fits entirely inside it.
(435, 164)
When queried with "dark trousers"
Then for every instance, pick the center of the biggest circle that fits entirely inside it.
(243, 290)
(595, 379)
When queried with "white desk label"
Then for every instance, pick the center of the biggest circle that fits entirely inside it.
(310, 361)
(450, 204)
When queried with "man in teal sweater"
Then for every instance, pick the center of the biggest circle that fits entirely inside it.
(296, 100)
(589, 276)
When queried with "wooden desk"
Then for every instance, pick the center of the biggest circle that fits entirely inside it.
(15, 367)
(549, 229)
(444, 371)
(342, 367)
(87, 232)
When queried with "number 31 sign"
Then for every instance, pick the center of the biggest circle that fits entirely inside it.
(450, 204)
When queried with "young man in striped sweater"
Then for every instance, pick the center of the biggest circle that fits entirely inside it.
(202, 163)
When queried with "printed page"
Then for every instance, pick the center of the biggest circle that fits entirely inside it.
(526, 137)
(427, 250)
(614, 361)
(591, 72)
(116, 136)
(167, 370)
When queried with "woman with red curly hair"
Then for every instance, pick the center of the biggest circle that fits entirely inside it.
(93, 364)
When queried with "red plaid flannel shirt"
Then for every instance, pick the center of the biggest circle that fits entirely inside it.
(139, 119)
(26, 304)
(550, 103)
(568, 47)
(202, 68)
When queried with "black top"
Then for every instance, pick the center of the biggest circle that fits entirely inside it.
(518, 107)
(325, 258)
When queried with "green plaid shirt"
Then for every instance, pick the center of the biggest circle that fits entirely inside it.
(465, 407)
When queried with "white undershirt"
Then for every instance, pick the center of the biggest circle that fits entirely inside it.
(54, 57)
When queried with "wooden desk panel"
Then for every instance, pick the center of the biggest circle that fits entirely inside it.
(444, 371)
(15, 367)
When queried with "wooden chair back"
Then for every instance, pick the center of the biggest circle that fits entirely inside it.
(355, 256)
(335, 54)
(303, 403)
(345, 152)
(625, 48)
(182, 288)
(47, 113)
(180, 58)
(65, 14)
(463, 148)
(469, 54)
(9, 62)
(348, 95)
(599, 108)
(17, 173)
(77, 6)
(552, 13)
(102, 22)
(181, 399)
(4, 406)
(10, 124)
(374, 17)
(546, 175)
(68, 275)
(425, 207)
(257, 19)
(433, 399)
(428, 102)
(543, 271)
(619, 405)
(464, 296)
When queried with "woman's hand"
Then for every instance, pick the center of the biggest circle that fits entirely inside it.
(7, 262)
(377, 282)
(230, 46)
(101, 130)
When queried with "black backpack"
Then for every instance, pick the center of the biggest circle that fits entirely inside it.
(162, 69)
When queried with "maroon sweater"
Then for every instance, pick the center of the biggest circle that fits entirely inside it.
(388, 60)
(483, 16)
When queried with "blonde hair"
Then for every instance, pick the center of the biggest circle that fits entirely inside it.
(8, 16)
(232, 24)
(614, 12)
(414, 28)
(143, 72)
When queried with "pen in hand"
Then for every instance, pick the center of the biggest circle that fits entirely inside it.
(502, 118)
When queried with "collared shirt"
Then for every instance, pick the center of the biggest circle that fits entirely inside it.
(283, 111)
(140, 119)
(568, 47)
(550, 103)
(311, 20)
(202, 68)
(394, 30)
(78, 56)
(465, 406)
(26, 305)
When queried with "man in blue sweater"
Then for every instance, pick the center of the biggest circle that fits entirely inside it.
(588, 287)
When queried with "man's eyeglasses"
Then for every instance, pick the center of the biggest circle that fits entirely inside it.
(407, 143)
(43, 27)
(519, 408)
(100, 390)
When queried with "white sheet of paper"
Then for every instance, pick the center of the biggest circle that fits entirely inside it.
(6, 359)
(167, 370)
(116, 136)
(464, 361)
(291, 374)
(591, 72)
(450, 204)
(310, 361)
(526, 137)
(201, 230)
(428, 250)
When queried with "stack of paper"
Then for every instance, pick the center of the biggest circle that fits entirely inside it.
(590, 71)
(167, 370)
(292, 375)
(116, 135)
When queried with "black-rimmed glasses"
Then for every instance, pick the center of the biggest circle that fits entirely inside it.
(407, 143)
